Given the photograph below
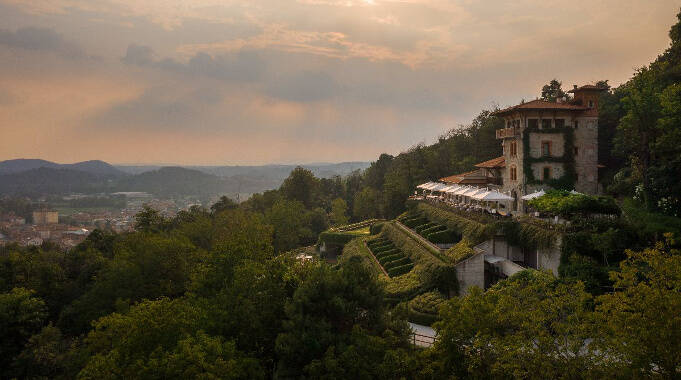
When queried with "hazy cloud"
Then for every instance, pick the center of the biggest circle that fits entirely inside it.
(33, 38)
(229, 81)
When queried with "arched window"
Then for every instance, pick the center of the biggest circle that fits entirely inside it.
(513, 173)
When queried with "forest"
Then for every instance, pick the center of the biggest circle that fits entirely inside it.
(220, 293)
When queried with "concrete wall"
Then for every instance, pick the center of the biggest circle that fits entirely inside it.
(471, 272)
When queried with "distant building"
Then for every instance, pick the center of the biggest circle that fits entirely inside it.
(42, 217)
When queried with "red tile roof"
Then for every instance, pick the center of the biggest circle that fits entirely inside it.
(540, 105)
(498, 162)
(472, 177)
(589, 87)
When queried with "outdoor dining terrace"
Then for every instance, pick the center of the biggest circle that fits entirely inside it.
(465, 198)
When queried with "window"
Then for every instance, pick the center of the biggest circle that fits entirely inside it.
(591, 104)
(547, 173)
(532, 123)
(576, 151)
(514, 173)
(576, 124)
(560, 123)
(546, 148)
(546, 124)
(514, 149)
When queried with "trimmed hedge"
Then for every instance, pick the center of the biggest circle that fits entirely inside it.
(472, 230)
(396, 263)
(397, 271)
(435, 270)
(416, 221)
(376, 228)
(356, 248)
(435, 228)
(386, 259)
(424, 227)
(446, 236)
(336, 238)
(461, 251)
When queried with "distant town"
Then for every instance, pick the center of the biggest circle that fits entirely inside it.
(69, 226)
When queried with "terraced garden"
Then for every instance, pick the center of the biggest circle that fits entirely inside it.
(391, 258)
(433, 232)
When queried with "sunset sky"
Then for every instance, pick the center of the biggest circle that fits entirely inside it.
(282, 81)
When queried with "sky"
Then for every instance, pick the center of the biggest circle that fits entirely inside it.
(223, 82)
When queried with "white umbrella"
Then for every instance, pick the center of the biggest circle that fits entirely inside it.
(438, 187)
(453, 189)
(423, 185)
(533, 195)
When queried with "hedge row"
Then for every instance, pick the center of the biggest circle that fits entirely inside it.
(460, 251)
(353, 226)
(472, 230)
(335, 238)
(434, 269)
(356, 248)
(391, 258)
(433, 232)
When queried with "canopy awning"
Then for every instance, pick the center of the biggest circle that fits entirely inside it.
(453, 189)
(474, 191)
(424, 185)
(438, 187)
(463, 189)
(492, 196)
(537, 194)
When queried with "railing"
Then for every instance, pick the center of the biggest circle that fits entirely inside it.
(507, 132)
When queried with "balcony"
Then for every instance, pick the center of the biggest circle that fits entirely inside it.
(507, 132)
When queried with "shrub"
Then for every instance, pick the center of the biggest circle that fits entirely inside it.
(383, 248)
(385, 253)
(435, 228)
(564, 203)
(423, 309)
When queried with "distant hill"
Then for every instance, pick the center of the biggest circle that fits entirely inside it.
(34, 177)
(174, 181)
(96, 167)
(47, 180)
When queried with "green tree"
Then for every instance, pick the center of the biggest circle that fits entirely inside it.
(339, 210)
(301, 185)
(22, 314)
(640, 324)
(225, 203)
(553, 91)
(528, 326)
(367, 204)
(334, 324)
(149, 219)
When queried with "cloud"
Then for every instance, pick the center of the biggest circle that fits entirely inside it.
(32, 38)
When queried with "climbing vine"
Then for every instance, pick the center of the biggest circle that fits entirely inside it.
(569, 177)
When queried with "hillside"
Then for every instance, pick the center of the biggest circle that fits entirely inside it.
(95, 167)
(45, 180)
(174, 181)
